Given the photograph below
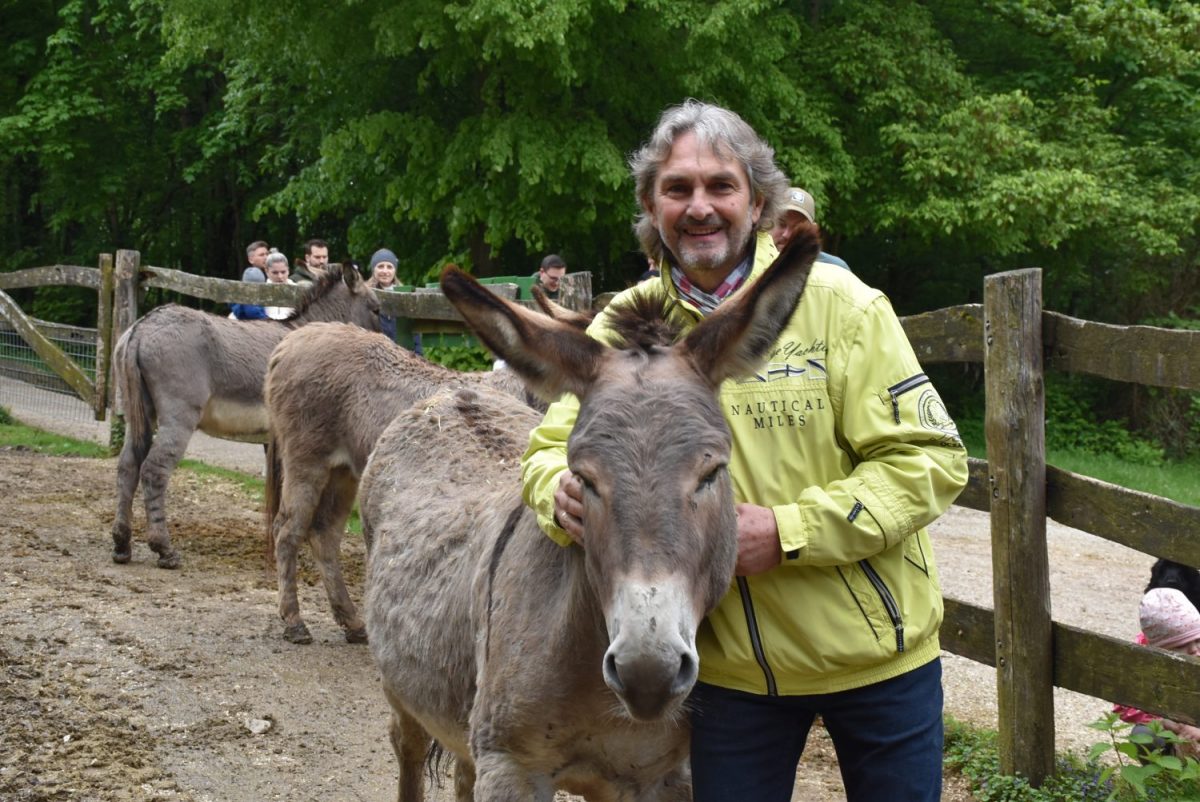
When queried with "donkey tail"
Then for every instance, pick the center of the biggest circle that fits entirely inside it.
(272, 492)
(133, 396)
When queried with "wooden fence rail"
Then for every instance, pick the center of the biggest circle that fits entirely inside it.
(1015, 340)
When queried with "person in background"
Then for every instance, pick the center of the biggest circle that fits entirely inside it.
(254, 275)
(651, 270)
(800, 207)
(383, 277)
(316, 257)
(842, 453)
(1168, 621)
(277, 273)
(549, 275)
(256, 256)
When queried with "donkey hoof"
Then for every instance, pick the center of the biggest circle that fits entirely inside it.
(356, 635)
(122, 556)
(167, 556)
(297, 633)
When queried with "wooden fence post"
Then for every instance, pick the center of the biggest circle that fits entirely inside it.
(125, 302)
(1015, 429)
(104, 336)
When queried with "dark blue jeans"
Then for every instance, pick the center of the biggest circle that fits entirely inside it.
(888, 739)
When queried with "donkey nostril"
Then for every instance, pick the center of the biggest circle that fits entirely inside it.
(612, 677)
(686, 676)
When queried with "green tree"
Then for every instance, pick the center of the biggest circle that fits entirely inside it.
(107, 145)
(943, 140)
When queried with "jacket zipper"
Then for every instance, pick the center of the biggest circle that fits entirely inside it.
(885, 595)
(755, 639)
(897, 390)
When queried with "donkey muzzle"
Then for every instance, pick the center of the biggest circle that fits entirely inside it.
(651, 663)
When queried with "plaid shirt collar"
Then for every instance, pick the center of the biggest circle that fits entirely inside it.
(707, 302)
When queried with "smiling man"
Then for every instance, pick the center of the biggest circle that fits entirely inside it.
(837, 467)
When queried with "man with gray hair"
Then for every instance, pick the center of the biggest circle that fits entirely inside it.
(842, 453)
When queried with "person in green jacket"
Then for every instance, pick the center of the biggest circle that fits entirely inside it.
(843, 453)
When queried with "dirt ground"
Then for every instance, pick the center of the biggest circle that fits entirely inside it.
(134, 683)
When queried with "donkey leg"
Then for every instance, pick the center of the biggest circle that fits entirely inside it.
(326, 539)
(498, 778)
(302, 487)
(411, 743)
(164, 455)
(464, 781)
(676, 786)
(129, 465)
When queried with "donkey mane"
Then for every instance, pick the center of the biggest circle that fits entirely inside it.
(641, 325)
(321, 285)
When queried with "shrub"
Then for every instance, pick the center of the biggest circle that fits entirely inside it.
(1142, 772)
(460, 357)
(1071, 424)
(974, 753)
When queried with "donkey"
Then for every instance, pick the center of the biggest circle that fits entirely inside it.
(543, 667)
(189, 370)
(331, 389)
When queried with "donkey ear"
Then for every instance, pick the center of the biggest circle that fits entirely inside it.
(557, 311)
(350, 274)
(732, 341)
(551, 356)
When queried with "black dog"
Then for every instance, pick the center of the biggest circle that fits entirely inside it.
(1184, 578)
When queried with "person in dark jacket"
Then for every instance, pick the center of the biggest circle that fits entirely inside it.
(254, 275)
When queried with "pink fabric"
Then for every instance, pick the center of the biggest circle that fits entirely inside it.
(1168, 619)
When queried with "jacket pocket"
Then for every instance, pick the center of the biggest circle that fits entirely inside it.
(900, 388)
(888, 601)
(875, 603)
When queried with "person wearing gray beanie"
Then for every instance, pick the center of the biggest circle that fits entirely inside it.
(383, 277)
(383, 255)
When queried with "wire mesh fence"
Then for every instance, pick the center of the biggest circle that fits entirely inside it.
(27, 382)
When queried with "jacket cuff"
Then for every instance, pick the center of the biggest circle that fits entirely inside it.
(793, 531)
(553, 530)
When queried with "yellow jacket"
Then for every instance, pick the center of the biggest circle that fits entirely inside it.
(843, 436)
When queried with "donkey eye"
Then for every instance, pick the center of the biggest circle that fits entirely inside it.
(710, 478)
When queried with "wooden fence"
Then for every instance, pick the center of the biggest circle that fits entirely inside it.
(121, 283)
(1015, 340)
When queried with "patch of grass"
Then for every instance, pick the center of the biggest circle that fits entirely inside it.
(17, 435)
(13, 434)
(253, 486)
(1173, 479)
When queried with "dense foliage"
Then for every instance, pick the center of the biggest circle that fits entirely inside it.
(943, 140)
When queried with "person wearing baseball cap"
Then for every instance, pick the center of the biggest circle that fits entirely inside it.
(800, 206)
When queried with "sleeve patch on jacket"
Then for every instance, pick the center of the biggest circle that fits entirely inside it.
(934, 416)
